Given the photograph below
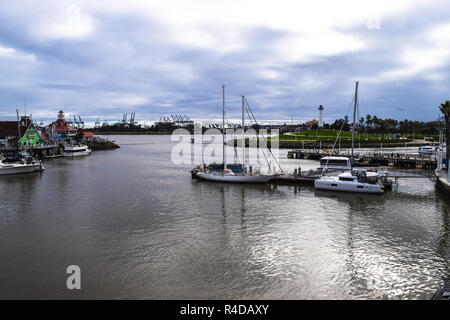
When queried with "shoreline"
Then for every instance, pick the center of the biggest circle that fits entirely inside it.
(347, 144)
(131, 133)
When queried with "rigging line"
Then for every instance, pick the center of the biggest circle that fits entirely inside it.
(279, 165)
(363, 103)
(249, 117)
(269, 148)
(246, 102)
(339, 133)
(235, 153)
(267, 160)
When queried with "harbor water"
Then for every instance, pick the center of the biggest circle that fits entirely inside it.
(139, 227)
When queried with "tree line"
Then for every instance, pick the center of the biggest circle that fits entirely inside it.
(374, 124)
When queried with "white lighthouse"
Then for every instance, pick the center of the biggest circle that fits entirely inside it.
(321, 116)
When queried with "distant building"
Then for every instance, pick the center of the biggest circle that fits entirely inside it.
(346, 119)
(89, 136)
(31, 137)
(312, 124)
(9, 130)
(61, 128)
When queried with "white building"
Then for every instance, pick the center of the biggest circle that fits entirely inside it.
(321, 116)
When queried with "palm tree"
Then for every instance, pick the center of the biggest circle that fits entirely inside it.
(445, 109)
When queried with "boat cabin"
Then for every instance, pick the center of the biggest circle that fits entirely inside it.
(339, 163)
(362, 176)
(235, 167)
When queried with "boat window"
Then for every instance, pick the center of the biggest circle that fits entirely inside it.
(334, 185)
(346, 178)
(360, 187)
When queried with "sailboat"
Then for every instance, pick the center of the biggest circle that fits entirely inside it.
(360, 181)
(225, 174)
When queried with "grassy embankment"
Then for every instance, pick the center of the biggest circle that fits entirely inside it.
(102, 145)
(326, 138)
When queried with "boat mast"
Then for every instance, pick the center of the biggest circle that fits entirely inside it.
(353, 125)
(223, 126)
(243, 134)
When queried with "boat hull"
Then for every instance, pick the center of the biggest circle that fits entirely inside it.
(344, 186)
(77, 154)
(218, 177)
(18, 168)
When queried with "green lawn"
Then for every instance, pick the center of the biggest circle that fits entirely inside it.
(315, 135)
(330, 135)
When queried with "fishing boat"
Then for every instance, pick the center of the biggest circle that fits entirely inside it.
(76, 150)
(23, 165)
(224, 173)
(360, 181)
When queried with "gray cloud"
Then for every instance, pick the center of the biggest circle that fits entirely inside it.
(129, 61)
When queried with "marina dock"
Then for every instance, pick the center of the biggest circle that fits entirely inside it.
(293, 179)
(398, 160)
(308, 178)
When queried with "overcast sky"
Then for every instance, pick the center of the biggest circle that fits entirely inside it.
(101, 59)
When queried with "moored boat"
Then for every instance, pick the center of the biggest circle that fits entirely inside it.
(358, 181)
(426, 150)
(22, 165)
(335, 163)
(235, 173)
(230, 176)
(76, 150)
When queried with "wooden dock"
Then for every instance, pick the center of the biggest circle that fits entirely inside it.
(293, 179)
(398, 160)
(41, 151)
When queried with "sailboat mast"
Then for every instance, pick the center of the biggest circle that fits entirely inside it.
(223, 126)
(243, 134)
(353, 125)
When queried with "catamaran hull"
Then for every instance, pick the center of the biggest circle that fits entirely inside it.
(347, 187)
(233, 178)
(5, 170)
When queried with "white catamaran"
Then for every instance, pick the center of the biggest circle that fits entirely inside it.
(224, 174)
(360, 181)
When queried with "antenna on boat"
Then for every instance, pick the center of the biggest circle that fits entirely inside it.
(353, 125)
(243, 133)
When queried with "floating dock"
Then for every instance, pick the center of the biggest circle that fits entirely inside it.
(394, 159)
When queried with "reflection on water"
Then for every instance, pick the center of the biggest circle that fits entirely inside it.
(140, 227)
